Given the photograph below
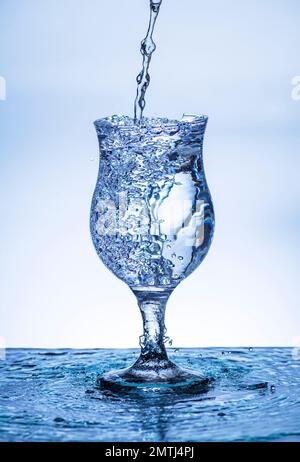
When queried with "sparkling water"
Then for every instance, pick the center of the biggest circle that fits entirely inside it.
(152, 217)
(50, 395)
(147, 49)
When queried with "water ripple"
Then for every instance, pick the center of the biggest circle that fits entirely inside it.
(51, 396)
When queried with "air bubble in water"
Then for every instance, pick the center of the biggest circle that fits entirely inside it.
(164, 280)
(154, 249)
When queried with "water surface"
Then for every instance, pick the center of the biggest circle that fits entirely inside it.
(50, 395)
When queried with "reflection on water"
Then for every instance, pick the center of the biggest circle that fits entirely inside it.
(50, 395)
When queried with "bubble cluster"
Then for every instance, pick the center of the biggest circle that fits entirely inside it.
(147, 174)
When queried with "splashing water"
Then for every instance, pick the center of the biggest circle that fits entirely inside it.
(147, 49)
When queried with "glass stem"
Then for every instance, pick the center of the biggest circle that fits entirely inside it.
(153, 306)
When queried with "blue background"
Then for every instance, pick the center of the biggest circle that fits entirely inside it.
(68, 62)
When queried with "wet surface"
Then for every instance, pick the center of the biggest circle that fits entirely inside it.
(51, 395)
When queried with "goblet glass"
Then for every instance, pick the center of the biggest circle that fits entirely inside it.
(152, 223)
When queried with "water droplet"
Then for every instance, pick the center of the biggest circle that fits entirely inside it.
(168, 340)
(164, 280)
(180, 258)
(59, 419)
(168, 246)
(250, 349)
(273, 388)
(173, 255)
(142, 341)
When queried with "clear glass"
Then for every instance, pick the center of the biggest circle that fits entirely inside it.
(152, 223)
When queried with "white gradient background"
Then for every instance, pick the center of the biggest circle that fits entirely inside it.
(68, 62)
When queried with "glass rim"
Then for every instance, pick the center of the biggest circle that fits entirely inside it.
(127, 123)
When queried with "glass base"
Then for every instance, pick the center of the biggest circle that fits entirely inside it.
(157, 376)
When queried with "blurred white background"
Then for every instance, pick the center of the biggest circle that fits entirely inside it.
(68, 62)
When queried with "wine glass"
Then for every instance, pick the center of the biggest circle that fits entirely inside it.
(152, 223)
